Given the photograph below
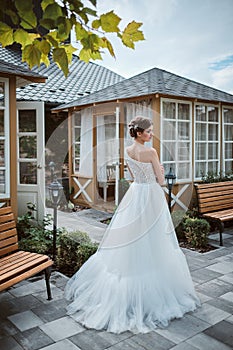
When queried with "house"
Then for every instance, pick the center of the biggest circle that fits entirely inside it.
(45, 136)
(12, 77)
(193, 126)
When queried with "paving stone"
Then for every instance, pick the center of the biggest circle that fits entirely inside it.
(221, 304)
(210, 314)
(227, 277)
(34, 287)
(33, 339)
(57, 294)
(230, 319)
(203, 298)
(64, 344)
(222, 331)
(114, 338)
(152, 341)
(7, 328)
(55, 310)
(222, 267)
(127, 344)
(9, 343)
(214, 288)
(61, 328)
(204, 275)
(25, 320)
(181, 329)
(184, 346)
(228, 296)
(204, 342)
(91, 339)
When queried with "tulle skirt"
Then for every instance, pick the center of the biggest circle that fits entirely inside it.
(139, 282)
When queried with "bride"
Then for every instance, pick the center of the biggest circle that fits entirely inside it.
(139, 278)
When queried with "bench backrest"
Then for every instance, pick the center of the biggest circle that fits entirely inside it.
(214, 196)
(8, 232)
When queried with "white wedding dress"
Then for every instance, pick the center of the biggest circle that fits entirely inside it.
(139, 278)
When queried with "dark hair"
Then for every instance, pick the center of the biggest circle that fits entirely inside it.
(138, 124)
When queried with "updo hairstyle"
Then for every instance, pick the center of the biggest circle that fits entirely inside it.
(138, 124)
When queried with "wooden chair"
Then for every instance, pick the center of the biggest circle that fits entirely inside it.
(215, 203)
(16, 266)
(110, 180)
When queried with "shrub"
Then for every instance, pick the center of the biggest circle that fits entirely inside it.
(34, 236)
(74, 249)
(178, 218)
(211, 177)
(196, 232)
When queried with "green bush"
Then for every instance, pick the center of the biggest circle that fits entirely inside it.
(74, 249)
(212, 177)
(178, 218)
(196, 232)
(34, 236)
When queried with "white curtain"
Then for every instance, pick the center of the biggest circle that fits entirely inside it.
(86, 144)
(132, 110)
(101, 150)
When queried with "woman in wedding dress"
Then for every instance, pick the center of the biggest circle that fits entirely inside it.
(138, 279)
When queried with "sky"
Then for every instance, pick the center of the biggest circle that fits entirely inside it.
(191, 38)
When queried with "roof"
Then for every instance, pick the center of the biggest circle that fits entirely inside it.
(83, 79)
(23, 74)
(151, 82)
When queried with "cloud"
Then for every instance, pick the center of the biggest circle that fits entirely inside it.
(183, 37)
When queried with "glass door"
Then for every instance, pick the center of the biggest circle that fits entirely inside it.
(30, 146)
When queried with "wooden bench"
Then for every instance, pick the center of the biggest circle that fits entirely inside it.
(215, 203)
(16, 266)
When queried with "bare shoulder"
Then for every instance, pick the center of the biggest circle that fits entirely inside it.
(153, 152)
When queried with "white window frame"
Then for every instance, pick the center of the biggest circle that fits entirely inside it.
(176, 163)
(208, 141)
(74, 143)
(6, 139)
(223, 138)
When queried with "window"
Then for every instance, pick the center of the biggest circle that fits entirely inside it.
(207, 135)
(176, 138)
(228, 140)
(4, 140)
(76, 140)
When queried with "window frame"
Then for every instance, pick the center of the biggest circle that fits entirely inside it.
(6, 139)
(218, 141)
(74, 142)
(223, 138)
(177, 120)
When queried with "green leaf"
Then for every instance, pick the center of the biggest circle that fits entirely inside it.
(53, 12)
(44, 59)
(69, 51)
(60, 57)
(32, 55)
(96, 24)
(93, 2)
(25, 11)
(45, 3)
(13, 16)
(48, 23)
(44, 46)
(6, 34)
(109, 22)
(80, 31)
(52, 38)
(64, 28)
(89, 11)
(24, 38)
(131, 34)
(105, 43)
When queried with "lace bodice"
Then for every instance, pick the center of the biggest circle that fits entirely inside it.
(142, 172)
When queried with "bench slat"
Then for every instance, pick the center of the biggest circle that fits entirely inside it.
(16, 266)
(20, 268)
(25, 275)
(6, 226)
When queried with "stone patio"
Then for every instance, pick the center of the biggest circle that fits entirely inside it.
(30, 322)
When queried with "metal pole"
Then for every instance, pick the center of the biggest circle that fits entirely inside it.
(169, 198)
(54, 232)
